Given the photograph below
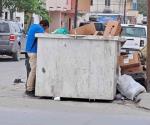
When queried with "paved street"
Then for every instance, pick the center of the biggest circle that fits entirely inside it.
(18, 109)
(10, 70)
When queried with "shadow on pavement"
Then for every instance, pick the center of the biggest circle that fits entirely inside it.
(9, 59)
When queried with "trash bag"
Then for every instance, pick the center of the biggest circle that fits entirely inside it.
(61, 31)
(128, 87)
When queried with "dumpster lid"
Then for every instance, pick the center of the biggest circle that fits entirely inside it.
(82, 37)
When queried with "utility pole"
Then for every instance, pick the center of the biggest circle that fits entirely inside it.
(76, 14)
(124, 15)
(148, 48)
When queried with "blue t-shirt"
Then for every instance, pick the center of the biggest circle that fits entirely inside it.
(31, 42)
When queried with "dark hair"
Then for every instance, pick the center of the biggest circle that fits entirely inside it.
(44, 23)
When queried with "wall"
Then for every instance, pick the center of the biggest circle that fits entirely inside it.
(62, 11)
(55, 20)
(58, 5)
(58, 18)
(117, 6)
(84, 6)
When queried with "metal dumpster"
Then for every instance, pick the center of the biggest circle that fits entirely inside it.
(76, 66)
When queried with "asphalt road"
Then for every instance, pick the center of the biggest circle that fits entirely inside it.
(37, 117)
(11, 69)
(18, 109)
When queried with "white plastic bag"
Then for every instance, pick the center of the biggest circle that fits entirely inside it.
(128, 87)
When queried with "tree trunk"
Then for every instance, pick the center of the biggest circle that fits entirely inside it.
(29, 21)
(124, 15)
(76, 14)
(1, 9)
(148, 48)
(11, 14)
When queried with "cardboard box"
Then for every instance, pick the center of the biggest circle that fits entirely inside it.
(129, 60)
(113, 28)
(88, 29)
(100, 33)
(136, 69)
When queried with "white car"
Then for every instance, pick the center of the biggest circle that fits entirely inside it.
(135, 36)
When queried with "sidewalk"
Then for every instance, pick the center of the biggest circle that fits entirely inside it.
(14, 95)
(144, 101)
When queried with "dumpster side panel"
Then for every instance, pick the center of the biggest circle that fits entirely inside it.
(76, 68)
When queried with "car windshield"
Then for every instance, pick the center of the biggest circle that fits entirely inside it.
(133, 32)
(4, 28)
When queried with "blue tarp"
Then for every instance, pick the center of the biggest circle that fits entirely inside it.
(106, 18)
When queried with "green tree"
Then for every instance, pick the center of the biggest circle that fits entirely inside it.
(27, 6)
(142, 7)
(2, 5)
(11, 6)
(30, 7)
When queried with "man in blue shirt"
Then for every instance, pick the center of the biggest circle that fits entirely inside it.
(31, 49)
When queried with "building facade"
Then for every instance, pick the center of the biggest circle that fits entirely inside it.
(116, 6)
(62, 12)
(126, 8)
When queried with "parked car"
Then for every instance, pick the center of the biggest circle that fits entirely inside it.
(135, 36)
(10, 39)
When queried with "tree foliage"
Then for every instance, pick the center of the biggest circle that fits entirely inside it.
(27, 6)
(142, 7)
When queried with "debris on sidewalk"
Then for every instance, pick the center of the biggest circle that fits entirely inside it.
(119, 97)
(128, 61)
(128, 87)
(144, 100)
(18, 80)
(130, 64)
(57, 98)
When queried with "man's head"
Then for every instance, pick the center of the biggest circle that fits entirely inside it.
(44, 24)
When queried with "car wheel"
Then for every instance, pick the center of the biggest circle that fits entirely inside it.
(16, 56)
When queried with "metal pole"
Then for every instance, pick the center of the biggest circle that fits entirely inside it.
(148, 48)
(124, 16)
(76, 14)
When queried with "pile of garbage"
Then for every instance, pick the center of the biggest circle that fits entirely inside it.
(131, 81)
(129, 88)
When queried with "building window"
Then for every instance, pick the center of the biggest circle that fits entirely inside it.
(107, 2)
(134, 5)
(6, 15)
